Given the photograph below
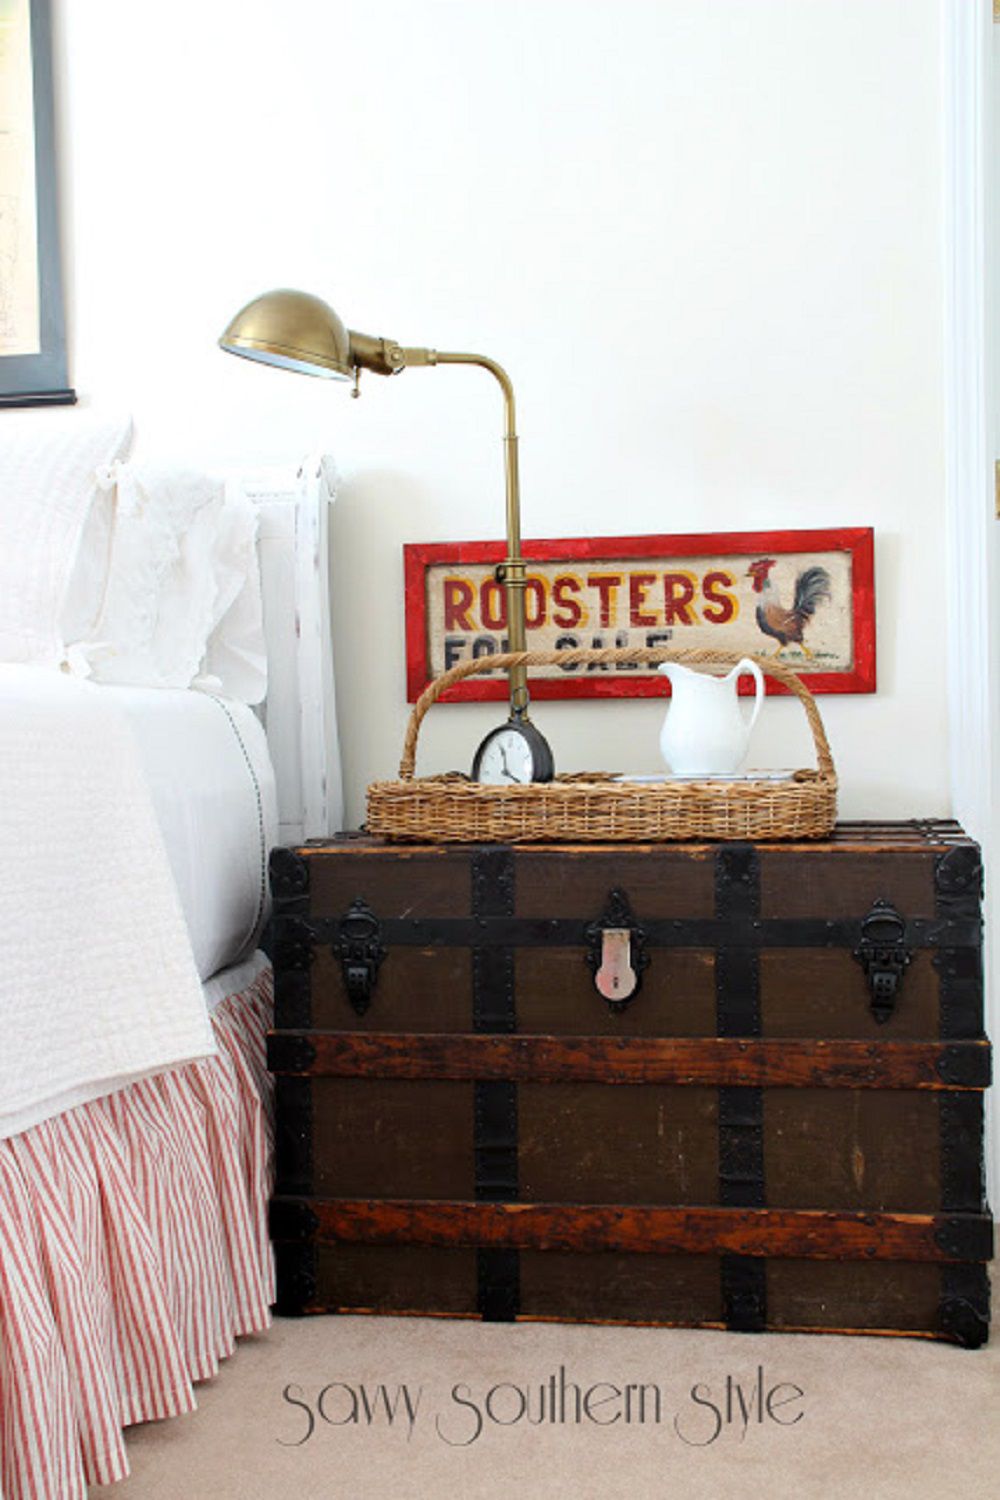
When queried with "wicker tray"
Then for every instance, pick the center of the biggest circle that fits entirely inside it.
(594, 807)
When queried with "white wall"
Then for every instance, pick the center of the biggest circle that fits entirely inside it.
(704, 239)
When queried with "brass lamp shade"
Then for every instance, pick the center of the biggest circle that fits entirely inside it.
(294, 331)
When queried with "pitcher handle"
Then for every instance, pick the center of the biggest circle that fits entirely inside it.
(746, 665)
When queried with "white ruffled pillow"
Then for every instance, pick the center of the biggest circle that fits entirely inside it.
(49, 462)
(166, 592)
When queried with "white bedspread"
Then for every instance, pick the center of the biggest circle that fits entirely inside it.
(209, 774)
(98, 986)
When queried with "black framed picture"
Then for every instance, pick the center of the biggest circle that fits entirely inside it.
(32, 318)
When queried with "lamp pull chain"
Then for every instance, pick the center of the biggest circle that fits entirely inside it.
(356, 389)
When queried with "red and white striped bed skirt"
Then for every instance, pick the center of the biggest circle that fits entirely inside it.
(133, 1254)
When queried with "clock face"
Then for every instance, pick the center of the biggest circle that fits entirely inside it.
(506, 759)
(513, 755)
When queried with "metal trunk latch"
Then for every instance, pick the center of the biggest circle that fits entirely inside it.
(360, 949)
(884, 956)
(616, 952)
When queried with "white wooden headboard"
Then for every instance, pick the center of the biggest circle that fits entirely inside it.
(299, 713)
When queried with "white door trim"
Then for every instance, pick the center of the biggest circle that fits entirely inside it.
(973, 613)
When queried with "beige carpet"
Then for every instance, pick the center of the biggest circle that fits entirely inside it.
(879, 1417)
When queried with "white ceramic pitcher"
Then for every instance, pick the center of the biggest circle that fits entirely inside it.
(705, 732)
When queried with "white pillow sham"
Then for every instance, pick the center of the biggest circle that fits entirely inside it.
(166, 589)
(49, 461)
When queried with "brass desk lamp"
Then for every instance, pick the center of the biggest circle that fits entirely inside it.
(299, 332)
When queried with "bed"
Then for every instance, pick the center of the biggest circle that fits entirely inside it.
(135, 1142)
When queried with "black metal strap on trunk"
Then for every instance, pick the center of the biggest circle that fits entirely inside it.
(293, 939)
(965, 1304)
(936, 934)
(294, 944)
(965, 1289)
(962, 1169)
(741, 1110)
(295, 1264)
(495, 1104)
(297, 1287)
(958, 885)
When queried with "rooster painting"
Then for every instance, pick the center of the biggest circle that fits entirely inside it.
(787, 626)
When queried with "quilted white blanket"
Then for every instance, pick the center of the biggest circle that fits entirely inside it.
(98, 986)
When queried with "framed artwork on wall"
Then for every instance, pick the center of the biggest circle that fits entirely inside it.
(808, 597)
(32, 320)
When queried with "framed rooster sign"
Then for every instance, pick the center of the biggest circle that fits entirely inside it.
(807, 597)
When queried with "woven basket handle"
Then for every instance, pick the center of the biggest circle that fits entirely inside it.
(650, 656)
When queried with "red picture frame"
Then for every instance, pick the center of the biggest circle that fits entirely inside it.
(421, 558)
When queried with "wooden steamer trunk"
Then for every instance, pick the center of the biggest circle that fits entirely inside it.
(781, 1127)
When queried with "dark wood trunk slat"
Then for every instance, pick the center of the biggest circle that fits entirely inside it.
(718, 1061)
(922, 833)
(806, 1234)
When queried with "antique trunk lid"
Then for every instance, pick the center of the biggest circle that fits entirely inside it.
(872, 934)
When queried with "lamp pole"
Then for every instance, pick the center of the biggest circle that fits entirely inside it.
(386, 357)
(511, 571)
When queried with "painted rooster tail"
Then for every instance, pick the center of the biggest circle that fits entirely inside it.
(810, 587)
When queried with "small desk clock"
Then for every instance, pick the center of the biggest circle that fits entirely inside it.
(513, 754)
